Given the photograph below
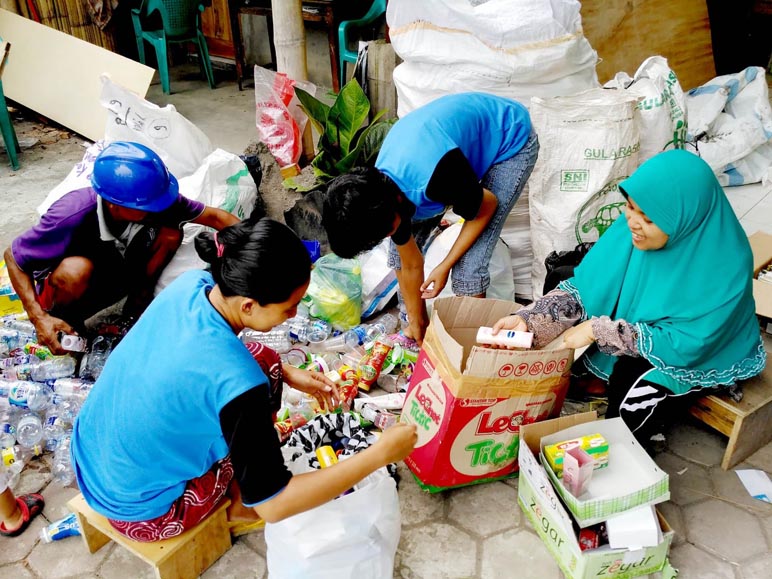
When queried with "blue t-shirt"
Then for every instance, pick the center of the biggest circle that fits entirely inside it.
(486, 128)
(151, 423)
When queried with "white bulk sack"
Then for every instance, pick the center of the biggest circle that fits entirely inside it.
(419, 83)
(662, 107)
(536, 41)
(502, 286)
(730, 125)
(588, 144)
(511, 48)
(516, 234)
(222, 181)
(181, 145)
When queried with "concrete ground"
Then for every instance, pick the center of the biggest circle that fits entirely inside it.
(477, 532)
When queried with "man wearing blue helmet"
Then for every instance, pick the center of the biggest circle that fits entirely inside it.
(98, 244)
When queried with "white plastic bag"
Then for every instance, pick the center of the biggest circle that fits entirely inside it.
(280, 122)
(379, 281)
(588, 144)
(181, 145)
(222, 181)
(663, 107)
(79, 177)
(352, 537)
(502, 286)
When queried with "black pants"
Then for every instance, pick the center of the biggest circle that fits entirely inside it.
(647, 408)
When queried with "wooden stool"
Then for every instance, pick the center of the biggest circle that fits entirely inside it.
(747, 423)
(183, 557)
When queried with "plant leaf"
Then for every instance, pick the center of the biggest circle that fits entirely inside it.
(346, 116)
(315, 109)
(350, 160)
(372, 142)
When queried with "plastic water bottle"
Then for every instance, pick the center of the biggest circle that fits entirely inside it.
(299, 407)
(54, 427)
(96, 358)
(29, 430)
(308, 329)
(58, 367)
(7, 428)
(39, 396)
(15, 457)
(277, 338)
(61, 469)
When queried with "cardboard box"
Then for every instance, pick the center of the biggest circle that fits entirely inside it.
(469, 402)
(9, 301)
(631, 479)
(761, 245)
(543, 507)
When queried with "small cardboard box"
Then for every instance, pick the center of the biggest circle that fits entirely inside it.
(9, 301)
(761, 245)
(631, 479)
(543, 507)
(469, 402)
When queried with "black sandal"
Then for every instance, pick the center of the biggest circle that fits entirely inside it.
(31, 505)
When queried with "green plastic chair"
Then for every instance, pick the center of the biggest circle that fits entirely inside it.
(6, 127)
(377, 9)
(180, 22)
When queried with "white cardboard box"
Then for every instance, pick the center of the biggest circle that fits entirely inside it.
(631, 479)
(543, 507)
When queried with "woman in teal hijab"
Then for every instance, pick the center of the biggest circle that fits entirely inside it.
(664, 298)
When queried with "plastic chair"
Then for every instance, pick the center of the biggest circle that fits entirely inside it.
(181, 22)
(377, 9)
(6, 127)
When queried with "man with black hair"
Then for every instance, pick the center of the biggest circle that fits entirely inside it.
(473, 152)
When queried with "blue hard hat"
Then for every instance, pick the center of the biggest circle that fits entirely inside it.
(132, 175)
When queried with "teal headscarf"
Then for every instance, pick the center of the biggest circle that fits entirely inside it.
(691, 301)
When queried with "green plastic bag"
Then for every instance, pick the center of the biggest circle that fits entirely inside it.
(335, 291)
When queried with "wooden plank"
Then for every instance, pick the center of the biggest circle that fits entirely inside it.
(209, 535)
(751, 433)
(57, 75)
(626, 32)
(4, 48)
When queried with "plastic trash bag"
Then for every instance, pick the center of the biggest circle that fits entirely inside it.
(280, 122)
(335, 291)
(351, 537)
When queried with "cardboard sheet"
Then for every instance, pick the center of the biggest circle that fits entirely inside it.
(57, 75)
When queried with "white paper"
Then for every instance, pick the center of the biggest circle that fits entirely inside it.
(757, 484)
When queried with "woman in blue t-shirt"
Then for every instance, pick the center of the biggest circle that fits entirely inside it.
(181, 414)
(473, 152)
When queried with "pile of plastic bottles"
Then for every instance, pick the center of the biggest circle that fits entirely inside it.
(40, 396)
(356, 360)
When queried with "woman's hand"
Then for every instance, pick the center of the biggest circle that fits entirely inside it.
(314, 383)
(512, 322)
(397, 442)
(435, 282)
(579, 336)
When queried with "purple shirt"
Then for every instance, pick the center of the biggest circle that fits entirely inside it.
(71, 227)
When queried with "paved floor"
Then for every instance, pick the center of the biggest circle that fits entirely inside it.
(477, 532)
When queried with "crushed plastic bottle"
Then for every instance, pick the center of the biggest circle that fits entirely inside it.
(61, 468)
(29, 430)
(93, 362)
(58, 367)
(39, 396)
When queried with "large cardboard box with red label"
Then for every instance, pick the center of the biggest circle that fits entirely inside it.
(468, 402)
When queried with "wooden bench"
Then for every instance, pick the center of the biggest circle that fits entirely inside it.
(747, 423)
(183, 557)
